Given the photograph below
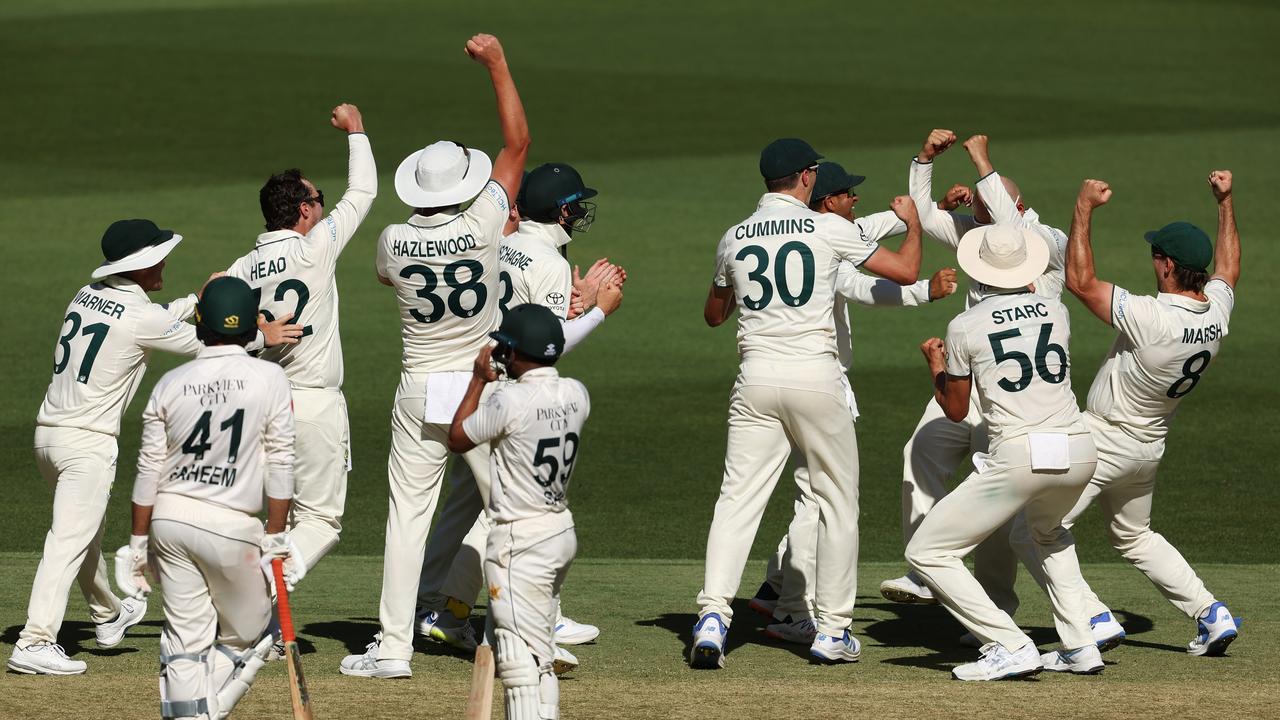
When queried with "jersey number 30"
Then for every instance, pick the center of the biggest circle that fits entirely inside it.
(759, 277)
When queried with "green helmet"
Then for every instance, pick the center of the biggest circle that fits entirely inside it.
(532, 330)
(227, 307)
(552, 186)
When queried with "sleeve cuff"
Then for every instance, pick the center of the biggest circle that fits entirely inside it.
(868, 257)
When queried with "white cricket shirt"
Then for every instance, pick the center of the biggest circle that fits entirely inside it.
(782, 262)
(220, 429)
(105, 341)
(444, 269)
(1016, 349)
(1163, 346)
(533, 270)
(534, 428)
(292, 273)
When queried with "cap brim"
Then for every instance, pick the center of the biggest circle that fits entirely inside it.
(502, 339)
(472, 183)
(1150, 236)
(587, 193)
(144, 258)
(1036, 262)
(856, 180)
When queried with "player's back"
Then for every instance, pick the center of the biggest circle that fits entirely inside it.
(781, 262)
(533, 270)
(215, 411)
(100, 355)
(444, 269)
(1162, 349)
(1015, 347)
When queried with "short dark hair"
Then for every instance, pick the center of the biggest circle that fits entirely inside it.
(1187, 279)
(786, 182)
(280, 199)
(210, 338)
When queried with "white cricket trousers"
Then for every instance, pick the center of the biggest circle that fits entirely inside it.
(937, 449)
(79, 466)
(207, 559)
(415, 469)
(988, 500)
(1124, 484)
(454, 563)
(322, 457)
(771, 402)
(526, 562)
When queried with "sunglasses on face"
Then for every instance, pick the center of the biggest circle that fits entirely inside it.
(318, 199)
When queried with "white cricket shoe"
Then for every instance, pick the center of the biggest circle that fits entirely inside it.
(830, 649)
(571, 632)
(437, 626)
(368, 664)
(44, 659)
(907, 589)
(801, 632)
(1085, 660)
(997, 663)
(110, 633)
(1217, 629)
(707, 652)
(563, 661)
(1108, 633)
(765, 600)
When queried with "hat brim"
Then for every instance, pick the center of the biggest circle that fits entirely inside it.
(412, 194)
(1032, 267)
(1150, 236)
(144, 258)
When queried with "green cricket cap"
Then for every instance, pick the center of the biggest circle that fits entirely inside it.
(227, 307)
(785, 156)
(533, 330)
(1184, 243)
(833, 179)
(549, 186)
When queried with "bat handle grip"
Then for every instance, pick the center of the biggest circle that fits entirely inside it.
(282, 601)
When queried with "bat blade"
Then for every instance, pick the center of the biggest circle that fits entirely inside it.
(298, 694)
(480, 701)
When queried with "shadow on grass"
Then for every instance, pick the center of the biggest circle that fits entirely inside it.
(356, 634)
(77, 636)
(747, 628)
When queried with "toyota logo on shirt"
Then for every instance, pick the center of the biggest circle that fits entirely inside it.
(555, 298)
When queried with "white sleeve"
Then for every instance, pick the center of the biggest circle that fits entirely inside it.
(878, 226)
(1137, 316)
(577, 329)
(181, 308)
(722, 278)
(1004, 211)
(959, 364)
(153, 450)
(945, 227)
(551, 287)
(845, 239)
(333, 232)
(158, 330)
(864, 289)
(278, 437)
(1220, 293)
(489, 421)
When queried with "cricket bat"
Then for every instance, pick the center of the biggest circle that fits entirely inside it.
(293, 657)
(480, 701)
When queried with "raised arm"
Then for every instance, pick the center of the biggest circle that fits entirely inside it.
(508, 167)
(950, 391)
(903, 266)
(991, 188)
(1226, 253)
(1082, 280)
(362, 180)
(935, 218)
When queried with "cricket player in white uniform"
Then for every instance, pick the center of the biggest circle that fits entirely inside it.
(787, 592)
(533, 272)
(1011, 349)
(780, 265)
(443, 265)
(292, 270)
(108, 334)
(217, 436)
(939, 447)
(534, 426)
(1163, 347)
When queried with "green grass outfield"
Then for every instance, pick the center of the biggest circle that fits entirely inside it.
(635, 670)
(177, 110)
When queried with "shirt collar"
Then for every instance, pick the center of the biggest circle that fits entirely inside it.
(538, 374)
(267, 238)
(1184, 302)
(124, 284)
(770, 198)
(208, 351)
(550, 233)
(444, 217)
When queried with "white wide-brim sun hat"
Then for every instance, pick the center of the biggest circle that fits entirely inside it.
(144, 258)
(442, 174)
(1003, 256)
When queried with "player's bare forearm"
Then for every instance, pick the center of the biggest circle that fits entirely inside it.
(509, 165)
(977, 148)
(1226, 251)
(277, 514)
(1082, 278)
(141, 519)
(953, 395)
(458, 440)
(719, 306)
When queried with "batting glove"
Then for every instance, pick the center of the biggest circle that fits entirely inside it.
(280, 545)
(131, 568)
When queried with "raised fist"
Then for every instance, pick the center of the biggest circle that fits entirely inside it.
(935, 353)
(958, 195)
(976, 145)
(347, 117)
(1094, 193)
(1220, 182)
(905, 209)
(942, 284)
(485, 49)
(937, 143)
